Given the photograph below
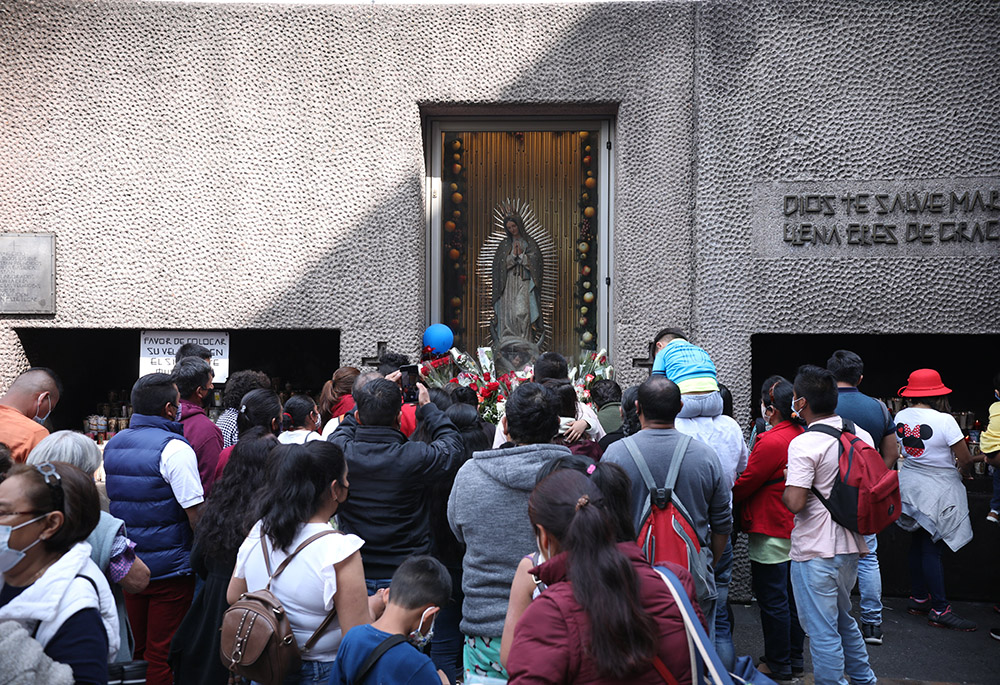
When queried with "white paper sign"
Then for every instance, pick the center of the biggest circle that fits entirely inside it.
(157, 350)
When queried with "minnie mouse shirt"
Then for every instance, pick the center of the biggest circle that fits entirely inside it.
(926, 436)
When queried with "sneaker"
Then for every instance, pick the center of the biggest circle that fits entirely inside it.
(872, 633)
(797, 671)
(947, 619)
(993, 516)
(918, 607)
(995, 633)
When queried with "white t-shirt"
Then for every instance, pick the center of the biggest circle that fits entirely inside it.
(299, 437)
(814, 460)
(179, 467)
(331, 426)
(306, 588)
(926, 436)
(723, 435)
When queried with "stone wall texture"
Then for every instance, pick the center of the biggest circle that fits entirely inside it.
(261, 166)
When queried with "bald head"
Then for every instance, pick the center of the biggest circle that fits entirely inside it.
(659, 400)
(35, 392)
(364, 379)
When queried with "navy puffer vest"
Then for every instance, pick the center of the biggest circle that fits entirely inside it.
(143, 499)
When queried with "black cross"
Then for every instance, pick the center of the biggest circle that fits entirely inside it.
(647, 363)
(381, 349)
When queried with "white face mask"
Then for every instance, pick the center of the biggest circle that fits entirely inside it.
(421, 640)
(41, 419)
(542, 556)
(9, 558)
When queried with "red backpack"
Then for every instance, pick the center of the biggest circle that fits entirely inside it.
(865, 496)
(665, 531)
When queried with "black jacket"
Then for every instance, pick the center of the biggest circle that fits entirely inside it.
(389, 477)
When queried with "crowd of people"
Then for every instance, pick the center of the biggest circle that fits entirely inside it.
(414, 542)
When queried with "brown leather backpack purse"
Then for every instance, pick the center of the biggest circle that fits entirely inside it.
(257, 640)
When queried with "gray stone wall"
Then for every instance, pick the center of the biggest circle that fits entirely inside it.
(248, 166)
(833, 96)
(283, 147)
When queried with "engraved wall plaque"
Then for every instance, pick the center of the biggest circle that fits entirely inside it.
(27, 273)
(912, 217)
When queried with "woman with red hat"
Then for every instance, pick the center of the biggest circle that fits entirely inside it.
(935, 503)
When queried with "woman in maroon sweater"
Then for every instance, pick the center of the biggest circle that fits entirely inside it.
(768, 524)
(606, 615)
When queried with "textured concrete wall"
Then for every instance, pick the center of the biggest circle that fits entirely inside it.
(821, 93)
(283, 146)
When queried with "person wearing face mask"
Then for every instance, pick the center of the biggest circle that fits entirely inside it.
(396, 641)
(25, 407)
(768, 525)
(323, 587)
(300, 421)
(155, 488)
(50, 585)
(606, 615)
(193, 377)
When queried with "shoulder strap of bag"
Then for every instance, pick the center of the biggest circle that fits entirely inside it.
(94, 585)
(376, 654)
(284, 564)
(829, 430)
(281, 567)
(835, 434)
(319, 631)
(716, 673)
(659, 496)
(664, 672)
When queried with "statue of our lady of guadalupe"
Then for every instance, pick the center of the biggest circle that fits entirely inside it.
(517, 281)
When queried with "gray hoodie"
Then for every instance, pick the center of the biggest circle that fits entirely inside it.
(488, 511)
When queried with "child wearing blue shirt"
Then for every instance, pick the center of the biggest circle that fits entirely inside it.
(420, 586)
(691, 369)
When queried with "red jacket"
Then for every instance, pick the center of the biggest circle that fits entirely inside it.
(551, 639)
(763, 511)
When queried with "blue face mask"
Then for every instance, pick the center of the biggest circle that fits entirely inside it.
(9, 558)
(996, 394)
(41, 419)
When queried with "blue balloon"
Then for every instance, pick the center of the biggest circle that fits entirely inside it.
(439, 338)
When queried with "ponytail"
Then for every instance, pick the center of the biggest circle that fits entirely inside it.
(258, 408)
(777, 393)
(624, 637)
(296, 411)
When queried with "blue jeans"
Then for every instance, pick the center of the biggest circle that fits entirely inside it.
(311, 672)
(779, 621)
(822, 590)
(870, 583)
(722, 634)
(708, 404)
(448, 641)
(926, 572)
(376, 585)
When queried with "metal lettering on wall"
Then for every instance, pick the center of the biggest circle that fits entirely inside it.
(27, 273)
(938, 216)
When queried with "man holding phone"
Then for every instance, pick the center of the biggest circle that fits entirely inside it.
(389, 475)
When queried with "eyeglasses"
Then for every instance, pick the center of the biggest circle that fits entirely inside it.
(54, 481)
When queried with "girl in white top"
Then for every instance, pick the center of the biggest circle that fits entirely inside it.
(300, 421)
(309, 483)
(935, 503)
